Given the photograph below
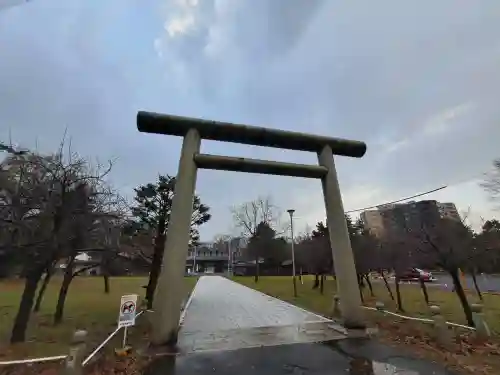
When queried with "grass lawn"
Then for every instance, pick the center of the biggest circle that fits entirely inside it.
(413, 300)
(87, 307)
(470, 356)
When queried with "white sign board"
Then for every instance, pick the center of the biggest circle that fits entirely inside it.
(128, 310)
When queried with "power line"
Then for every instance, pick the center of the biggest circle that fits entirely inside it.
(397, 200)
(416, 195)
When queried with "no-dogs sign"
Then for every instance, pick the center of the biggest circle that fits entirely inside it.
(128, 310)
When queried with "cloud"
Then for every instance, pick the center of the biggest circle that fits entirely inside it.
(418, 83)
(183, 20)
(397, 145)
(444, 121)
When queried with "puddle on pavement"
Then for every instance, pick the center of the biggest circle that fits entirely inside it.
(332, 357)
(357, 366)
(363, 366)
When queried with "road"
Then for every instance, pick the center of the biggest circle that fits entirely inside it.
(229, 328)
(486, 283)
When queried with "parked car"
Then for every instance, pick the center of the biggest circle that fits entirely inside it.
(415, 274)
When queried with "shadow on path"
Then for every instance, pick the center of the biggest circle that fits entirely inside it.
(347, 356)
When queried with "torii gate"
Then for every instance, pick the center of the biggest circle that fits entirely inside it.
(168, 301)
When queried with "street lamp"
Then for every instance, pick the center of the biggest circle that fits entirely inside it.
(290, 212)
(230, 258)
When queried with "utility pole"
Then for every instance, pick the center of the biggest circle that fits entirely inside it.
(194, 259)
(290, 212)
(230, 259)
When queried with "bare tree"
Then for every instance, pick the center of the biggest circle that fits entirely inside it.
(488, 244)
(398, 258)
(395, 250)
(33, 235)
(382, 264)
(40, 207)
(449, 244)
(364, 247)
(247, 216)
(95, 230)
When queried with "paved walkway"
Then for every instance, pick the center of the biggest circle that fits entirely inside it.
(222, 314)
(229, 305)
(229, 328)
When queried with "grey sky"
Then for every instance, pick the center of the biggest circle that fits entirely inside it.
(418, 81)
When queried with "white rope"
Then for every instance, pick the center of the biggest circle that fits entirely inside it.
(86, 360)
(33, 360)
(62, 357)
(423, 320)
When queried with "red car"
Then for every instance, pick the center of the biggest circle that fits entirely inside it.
(414, 274)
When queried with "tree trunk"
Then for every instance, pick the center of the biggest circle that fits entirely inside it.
(424, 290)
(63, 292)
(398, 295)
(106, 283)
(41, 292)
(387, 285)
(322, 284)
(105, 271)
(23, 313)
(316, 281)
(361, 286)
(478, 291)
(155, 270)
(256, 275)
(370, 286)
(156, 262)
(461, 296)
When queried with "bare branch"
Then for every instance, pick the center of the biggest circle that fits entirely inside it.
(248, 215)
(85, 269)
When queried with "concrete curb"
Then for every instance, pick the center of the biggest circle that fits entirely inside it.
(186, 305)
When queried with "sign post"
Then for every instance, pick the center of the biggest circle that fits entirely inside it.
(128, 312)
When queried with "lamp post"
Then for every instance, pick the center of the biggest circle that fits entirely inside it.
(194, 259)
(290, 212)
(230, 259)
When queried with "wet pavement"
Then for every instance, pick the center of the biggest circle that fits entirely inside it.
(218, 303)
(231, 339)
(348, 356)
(229, 328)
(222, 314)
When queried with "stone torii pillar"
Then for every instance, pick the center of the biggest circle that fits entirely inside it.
(168, 299)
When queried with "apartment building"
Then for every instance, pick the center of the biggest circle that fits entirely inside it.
(398, 219)
(373, 222)
(449, 211)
